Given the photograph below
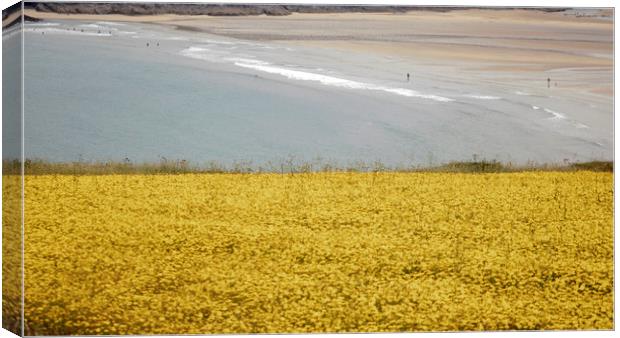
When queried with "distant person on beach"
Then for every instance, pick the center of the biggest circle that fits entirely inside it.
(548, 82)
(407, 77)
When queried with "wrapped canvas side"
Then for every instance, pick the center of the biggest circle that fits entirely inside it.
(12, 179)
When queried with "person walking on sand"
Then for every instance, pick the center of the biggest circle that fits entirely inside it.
(548, 82)
(407, 77)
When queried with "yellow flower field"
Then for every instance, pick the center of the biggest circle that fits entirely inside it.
(318, 252)
(11, 249)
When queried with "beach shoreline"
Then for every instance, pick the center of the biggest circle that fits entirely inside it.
(336, 85)
(483, 41)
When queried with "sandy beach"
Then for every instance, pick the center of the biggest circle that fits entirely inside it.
(511, 85)
(487, 42)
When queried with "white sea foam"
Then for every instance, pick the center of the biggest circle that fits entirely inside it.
(560, 116)
(236, 44)
(41, 24)
(522, 93)
(331, 80)
(105, 26)
(556, 115)
(107, 23)
(220, 42)
(580, 125)
(66, 31)
(91, 25)
(482, 97)
(208, 54)
(249, 61)
(196, 53)
(194, 49)
(177, 38)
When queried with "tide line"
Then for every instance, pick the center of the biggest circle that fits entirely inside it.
(332, 80)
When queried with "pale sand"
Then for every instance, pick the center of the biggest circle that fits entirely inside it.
(10, 18)
(489, 41)
(102, 17)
